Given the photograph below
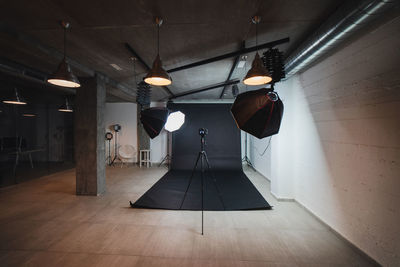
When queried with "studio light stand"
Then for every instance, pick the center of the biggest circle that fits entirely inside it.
(117, 128)
(109, 136)
(202, 156)
(245, 158)
(167, 157)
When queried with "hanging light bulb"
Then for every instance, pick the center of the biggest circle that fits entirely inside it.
(157, 75)
(15, 99)
(258, 74)
(64, 75)
(66, 107)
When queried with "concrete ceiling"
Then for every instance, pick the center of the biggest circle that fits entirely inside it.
(192, 31)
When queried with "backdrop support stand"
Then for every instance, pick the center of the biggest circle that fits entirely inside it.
(167, 157)
(116, 155)
(202, 156)
(245, 158)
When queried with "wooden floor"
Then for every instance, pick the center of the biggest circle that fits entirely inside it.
(43, 223)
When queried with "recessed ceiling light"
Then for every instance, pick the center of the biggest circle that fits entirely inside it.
(115, 66)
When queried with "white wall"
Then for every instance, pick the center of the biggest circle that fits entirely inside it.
(338, 151)
(124, 114)
(158, 145)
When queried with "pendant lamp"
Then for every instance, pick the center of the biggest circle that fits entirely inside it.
(258, 74)
(66, 107)
(64, 75)
(15, 99)
(157, 75)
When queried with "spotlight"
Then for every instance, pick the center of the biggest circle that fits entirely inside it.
(117, 127)
(175, 121)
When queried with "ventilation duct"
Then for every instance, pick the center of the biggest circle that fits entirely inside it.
(347, 20)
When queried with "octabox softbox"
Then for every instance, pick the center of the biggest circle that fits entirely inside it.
(153, 120)
(258, 112)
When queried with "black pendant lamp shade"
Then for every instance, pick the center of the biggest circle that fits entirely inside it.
(258, 112)
(258, 74)
(64, 75)
(157, 75)
(66, 107)
(153, 120)
(15, 99)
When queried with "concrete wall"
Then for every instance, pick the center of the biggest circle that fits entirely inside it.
(338, 152)
(124, 114)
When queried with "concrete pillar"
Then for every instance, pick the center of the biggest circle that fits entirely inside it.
(89, 137)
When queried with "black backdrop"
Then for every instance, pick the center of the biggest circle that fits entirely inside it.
(222, 141)
(226, 187)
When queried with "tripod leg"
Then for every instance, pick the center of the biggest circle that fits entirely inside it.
(214, 180)
(190, 180)
(164, 159)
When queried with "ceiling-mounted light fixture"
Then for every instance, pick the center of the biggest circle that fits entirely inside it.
(64, 76)
(258, 74)
(29, 115)
(15, 99)
(157, 75)
(66, 107)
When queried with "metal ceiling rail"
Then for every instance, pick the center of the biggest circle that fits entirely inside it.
(348, 19)
(207, 88)
(232, 54)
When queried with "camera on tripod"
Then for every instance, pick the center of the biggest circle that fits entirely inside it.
(203, 132)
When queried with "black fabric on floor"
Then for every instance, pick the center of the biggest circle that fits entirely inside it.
(236, 190)
(226, 187)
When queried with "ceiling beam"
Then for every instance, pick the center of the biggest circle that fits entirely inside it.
(229, 55)
(147, 67)
(52, 52)
(207, 88)
(235, 62)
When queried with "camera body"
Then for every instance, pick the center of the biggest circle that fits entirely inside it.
(203, 132)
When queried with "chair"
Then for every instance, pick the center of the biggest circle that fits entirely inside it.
(126, 152)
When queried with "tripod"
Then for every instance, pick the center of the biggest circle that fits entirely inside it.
(202, 156)
(116, 155)
(108, 159)
(245, 158)
(167, 157)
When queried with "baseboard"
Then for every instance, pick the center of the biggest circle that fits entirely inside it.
(339, 235)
